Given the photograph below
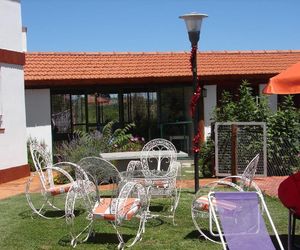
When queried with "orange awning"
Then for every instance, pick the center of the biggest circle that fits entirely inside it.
(287, 82)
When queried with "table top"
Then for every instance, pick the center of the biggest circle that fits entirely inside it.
(132, 155)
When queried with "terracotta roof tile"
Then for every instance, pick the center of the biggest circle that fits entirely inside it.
(42, 66)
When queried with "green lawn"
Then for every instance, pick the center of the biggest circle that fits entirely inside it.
(19, 231)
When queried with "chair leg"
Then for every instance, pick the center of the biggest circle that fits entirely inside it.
(293, 229)
(121, 245)
(290, 231)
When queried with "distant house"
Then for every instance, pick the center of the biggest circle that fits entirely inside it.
(13, 153)
(83, 91)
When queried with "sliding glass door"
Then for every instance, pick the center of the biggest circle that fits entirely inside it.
(102, 108)
(141, 108)
(155, 114)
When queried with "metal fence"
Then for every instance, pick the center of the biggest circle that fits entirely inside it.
(249, 138)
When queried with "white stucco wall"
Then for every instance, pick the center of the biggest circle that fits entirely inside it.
(210, 102)
(10, 25)
(38, 115)
(271, 98)
(24, 39)
(13, 140)
(13, 150)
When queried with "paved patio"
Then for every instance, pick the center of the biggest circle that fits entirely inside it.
(268, 184)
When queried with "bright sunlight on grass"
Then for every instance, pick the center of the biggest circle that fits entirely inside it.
(18, 230)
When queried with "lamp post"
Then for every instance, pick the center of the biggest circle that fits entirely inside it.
(193, 23)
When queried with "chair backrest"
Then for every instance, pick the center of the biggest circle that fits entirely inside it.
(175, 169)
(134, 165)
(249, 171)
(156, 153)
(242, 222)
(100, 171)
(41, 159)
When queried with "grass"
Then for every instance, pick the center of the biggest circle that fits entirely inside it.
(187, 172)
(18, 230)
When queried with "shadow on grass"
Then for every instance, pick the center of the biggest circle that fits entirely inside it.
(193, 235)
(284, 241)
(108, 238)
(54, 214)
(157, 208)
(283, 237)
(160, 215)
(154, 222)
(98, 238)
(196, 235)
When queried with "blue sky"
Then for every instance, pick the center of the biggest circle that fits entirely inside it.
(153, 25)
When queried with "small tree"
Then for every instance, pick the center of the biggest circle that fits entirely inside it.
(245, 109)
(284, 138)
(283, 126)
(241, 108)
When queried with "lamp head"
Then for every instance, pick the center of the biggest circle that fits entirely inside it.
(193, 23)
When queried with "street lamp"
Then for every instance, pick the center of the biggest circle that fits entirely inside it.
(193, 23)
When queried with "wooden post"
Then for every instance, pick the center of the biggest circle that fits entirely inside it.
(233, 151)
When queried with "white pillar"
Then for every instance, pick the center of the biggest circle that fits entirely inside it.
(210, 102)
(38, 116)
(272, 99)
(13, 152)
(24, 39)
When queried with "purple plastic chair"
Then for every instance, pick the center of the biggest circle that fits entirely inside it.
(239, 221)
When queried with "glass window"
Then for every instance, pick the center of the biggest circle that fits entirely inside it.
(172, 105)
(102, 108)
(135, 107)
(91, 102)
(153, 115)
(141, 108)
(175, 121)
(61, 113)
(79, 127)
(78, 109)
(109, 107)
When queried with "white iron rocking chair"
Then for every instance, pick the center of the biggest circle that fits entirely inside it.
(123, 206)
(161, 171)
(201, 210)
(41, 190)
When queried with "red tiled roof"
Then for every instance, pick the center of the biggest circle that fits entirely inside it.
(117, 67)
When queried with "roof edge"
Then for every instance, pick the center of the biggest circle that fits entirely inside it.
(165, 53)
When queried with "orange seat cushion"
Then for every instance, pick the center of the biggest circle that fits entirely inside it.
(202, 204)
(160, 183)
(106, 208)
(59, 189)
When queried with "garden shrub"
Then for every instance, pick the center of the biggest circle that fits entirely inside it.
(85, 144)
(284, 138)
(206, 158)
(283, 127)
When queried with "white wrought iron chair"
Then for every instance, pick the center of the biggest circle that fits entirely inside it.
(123, 206)
(45, 197)
(158, 154)
(247, 175)
(161, 171)
(200, 209)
